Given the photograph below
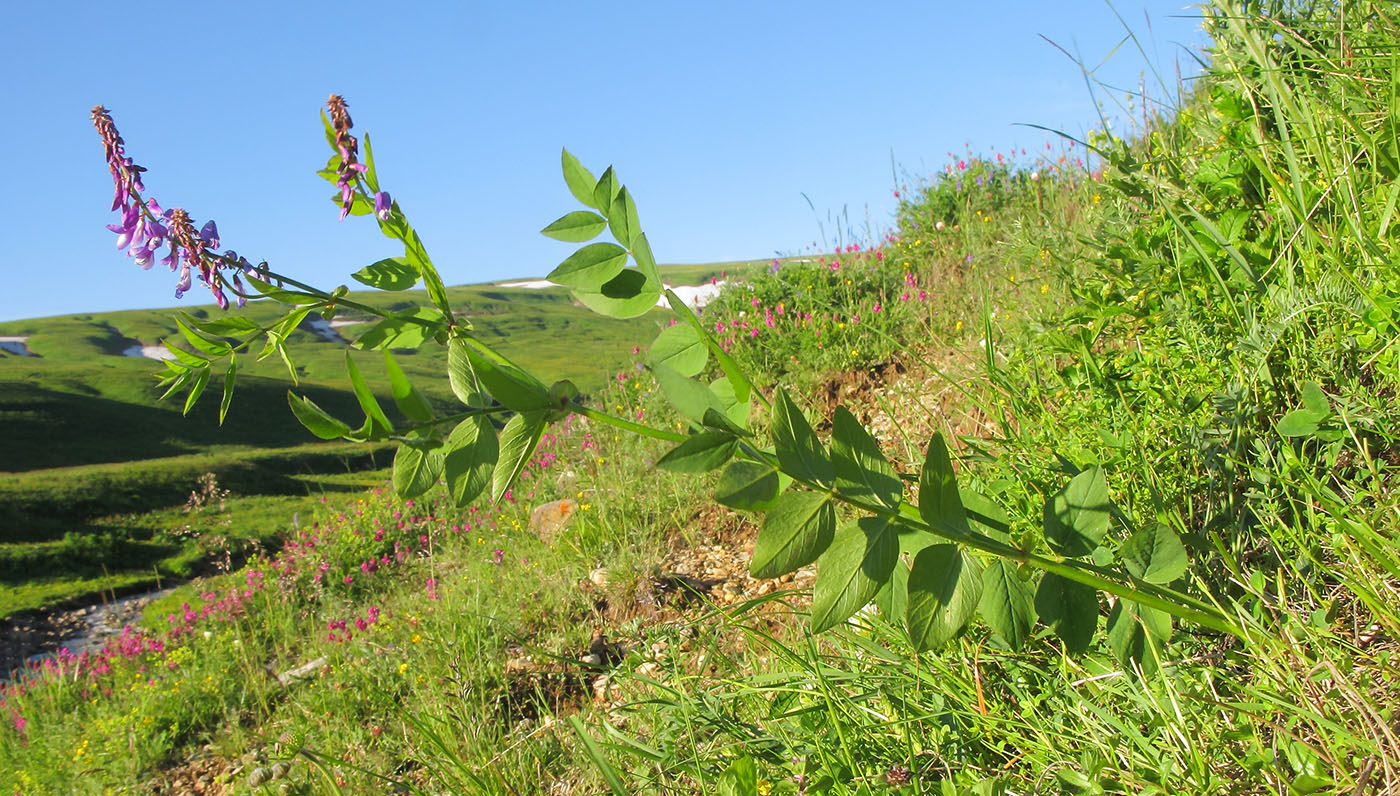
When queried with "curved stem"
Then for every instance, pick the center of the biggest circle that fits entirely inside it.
(460, 416)
(626, 425)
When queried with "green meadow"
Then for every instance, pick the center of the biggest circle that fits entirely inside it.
(97, 470)
(1168, 352)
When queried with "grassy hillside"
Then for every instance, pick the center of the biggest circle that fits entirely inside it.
(95, 466)
(78, 400)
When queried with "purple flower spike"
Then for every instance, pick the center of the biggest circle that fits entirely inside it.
(350, 169)
(383, 205)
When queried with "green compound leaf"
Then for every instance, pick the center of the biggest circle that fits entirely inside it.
(579, 179)
(1008, 604)
(691, 398)
(399, 332)
(1299, 423)
(984, 514)
(469, 457)
(740, 779)
(852, 570)
(409, 401)
(216, 348)
(700, 453)
(417, 255)
(748, 486)
(646, 262)
(944, 589)
(1076, 517)
(376, 422)
(622, 219)
(393, 273)
(188, 358)
(316, 419)
(737, 411)
(605, 192)
(200, 382)
(462, 378)
(230, 378)
(939, 502)
(1134, 631)
(503, 379)
(417, 465)
(591, 267)
(371, 174)
(681, 349)
(1315, 400)
(627, 295)
(1304, 422)
(862, 472)
(1154, 554)
(799, 451)
(893, 597)
(576, 227)
(797, 530)
(518, 441)
(716, 420)
(1069, 608)
(226, 326)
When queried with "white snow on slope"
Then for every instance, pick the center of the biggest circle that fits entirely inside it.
(16, 345)
(147, 351)
(693, 295)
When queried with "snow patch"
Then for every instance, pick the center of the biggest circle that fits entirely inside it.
(336, 323)
(16, 345)
(323, 328)
(147, 351)
(693, 295)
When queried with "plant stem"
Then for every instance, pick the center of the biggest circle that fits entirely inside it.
(626, 425)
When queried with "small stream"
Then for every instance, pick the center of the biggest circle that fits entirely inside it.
(86, 629)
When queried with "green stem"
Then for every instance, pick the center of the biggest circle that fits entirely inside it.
(457, 418)
(626, 425)
(341, 301)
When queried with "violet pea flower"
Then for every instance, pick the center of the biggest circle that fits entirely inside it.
(383, 205)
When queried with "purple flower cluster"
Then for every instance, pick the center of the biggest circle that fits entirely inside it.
(145, 226)
(349, 171)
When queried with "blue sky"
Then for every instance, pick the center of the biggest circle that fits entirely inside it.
(719, 117)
